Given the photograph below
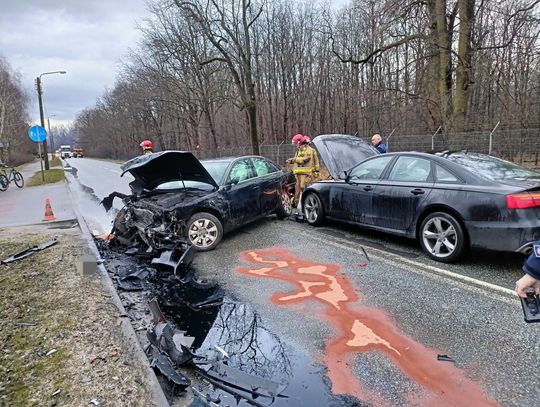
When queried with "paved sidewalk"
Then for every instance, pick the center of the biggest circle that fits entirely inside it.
(26, 206)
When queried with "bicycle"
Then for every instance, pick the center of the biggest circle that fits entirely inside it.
(13, 175)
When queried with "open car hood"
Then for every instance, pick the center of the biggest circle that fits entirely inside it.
(341, 152)
(152, 170)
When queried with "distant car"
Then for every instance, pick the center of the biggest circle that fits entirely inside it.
(177, 197)
(449, 202)
(78, 152)
(65, 151)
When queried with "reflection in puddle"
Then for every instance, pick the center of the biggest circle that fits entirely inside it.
(361, 330)
(250, 346)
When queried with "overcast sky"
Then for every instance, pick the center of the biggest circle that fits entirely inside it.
(86, 38)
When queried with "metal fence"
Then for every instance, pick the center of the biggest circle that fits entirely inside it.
(519, 145)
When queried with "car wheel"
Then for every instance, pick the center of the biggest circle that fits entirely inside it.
(442, 237)
(313, 209)
(204, 231)
(284, 209)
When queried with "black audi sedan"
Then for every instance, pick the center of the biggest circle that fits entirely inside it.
(177, 197)
(449, 202)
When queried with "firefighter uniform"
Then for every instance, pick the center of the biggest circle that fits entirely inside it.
(306, 168)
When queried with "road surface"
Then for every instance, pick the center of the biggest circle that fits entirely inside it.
(378, 323)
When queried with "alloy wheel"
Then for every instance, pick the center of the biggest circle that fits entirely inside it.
(286, 202)
(203, 233)
(311, 208)
(440, 237)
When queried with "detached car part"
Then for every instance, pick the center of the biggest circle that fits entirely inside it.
(29, 251)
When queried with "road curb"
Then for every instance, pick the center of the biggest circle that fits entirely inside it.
(158, 396)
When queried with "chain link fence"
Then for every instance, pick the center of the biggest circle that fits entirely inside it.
(518, 145)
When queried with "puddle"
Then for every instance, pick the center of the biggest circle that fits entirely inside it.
(362, 329)
(251, 347)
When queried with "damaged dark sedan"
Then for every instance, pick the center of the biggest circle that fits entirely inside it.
(175, 197)
(449, 202)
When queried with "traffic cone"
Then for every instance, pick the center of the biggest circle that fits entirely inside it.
(49, 215)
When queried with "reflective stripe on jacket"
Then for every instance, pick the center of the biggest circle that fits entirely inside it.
(306, 161)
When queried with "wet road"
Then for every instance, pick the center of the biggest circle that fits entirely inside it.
(377, 327)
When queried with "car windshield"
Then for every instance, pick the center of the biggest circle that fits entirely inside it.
(216, 169)
(66, 149)
(492, 168)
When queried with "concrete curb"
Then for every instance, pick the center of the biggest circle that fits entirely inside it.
(158, 396)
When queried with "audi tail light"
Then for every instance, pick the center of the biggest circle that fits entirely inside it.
(523, 200)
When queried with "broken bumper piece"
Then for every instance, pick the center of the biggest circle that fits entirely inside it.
(29, 251)
(177, 259)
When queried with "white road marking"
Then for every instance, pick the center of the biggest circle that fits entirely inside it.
(426, 270)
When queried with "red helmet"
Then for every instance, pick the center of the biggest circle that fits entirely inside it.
(306, 140)
(297, 139)
(147, 145)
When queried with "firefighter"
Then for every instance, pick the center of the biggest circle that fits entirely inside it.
(306, 165)
(147, 147)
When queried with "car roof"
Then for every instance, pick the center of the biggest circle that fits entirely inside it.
(230, 159)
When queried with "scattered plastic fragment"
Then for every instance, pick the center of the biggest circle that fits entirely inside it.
(178, 259)
(26, 323)
(95, 402)
(52, 351)
(222, 351)
(56, 392)
(365, 253)
(445, 358)
(105, 236)
(29, 251)
(362, 264)
(165, 367)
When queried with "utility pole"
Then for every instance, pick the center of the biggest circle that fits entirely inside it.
(50, 134)
(42, 118)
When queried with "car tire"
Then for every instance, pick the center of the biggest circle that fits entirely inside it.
(442, 237)
(313, 209)
(204, 231)
(284, 209)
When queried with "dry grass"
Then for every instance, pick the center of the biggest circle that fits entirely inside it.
(51, 177)
(73, 315)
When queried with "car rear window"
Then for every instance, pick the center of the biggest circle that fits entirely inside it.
(492, 168)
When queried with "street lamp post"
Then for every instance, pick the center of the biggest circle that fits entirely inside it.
(42, 118)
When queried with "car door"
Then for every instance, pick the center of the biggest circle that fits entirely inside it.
(400, 194)
(243, 192)
(269, 178)
(352, 200)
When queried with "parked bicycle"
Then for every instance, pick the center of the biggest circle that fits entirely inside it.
(13, 175)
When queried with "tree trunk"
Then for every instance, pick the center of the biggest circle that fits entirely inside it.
(463, 71)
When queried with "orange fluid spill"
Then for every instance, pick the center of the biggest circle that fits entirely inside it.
(362, 329)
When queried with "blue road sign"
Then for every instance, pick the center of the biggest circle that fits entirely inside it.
(37, 134)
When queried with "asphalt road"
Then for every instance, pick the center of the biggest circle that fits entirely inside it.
(377, 323)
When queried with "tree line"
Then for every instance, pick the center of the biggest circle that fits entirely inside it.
(210, 74)
(14, 148)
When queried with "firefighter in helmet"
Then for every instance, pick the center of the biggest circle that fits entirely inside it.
(306, 165)
(147, 147)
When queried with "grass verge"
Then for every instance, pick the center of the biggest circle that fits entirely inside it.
(55, 162)
(51, 176)
(61, 344)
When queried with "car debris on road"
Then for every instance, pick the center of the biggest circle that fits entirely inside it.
(28, 252)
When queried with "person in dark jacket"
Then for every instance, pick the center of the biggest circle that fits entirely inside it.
(531, 268)
(378, 143)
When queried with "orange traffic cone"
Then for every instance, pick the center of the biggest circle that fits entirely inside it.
(49, 215)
